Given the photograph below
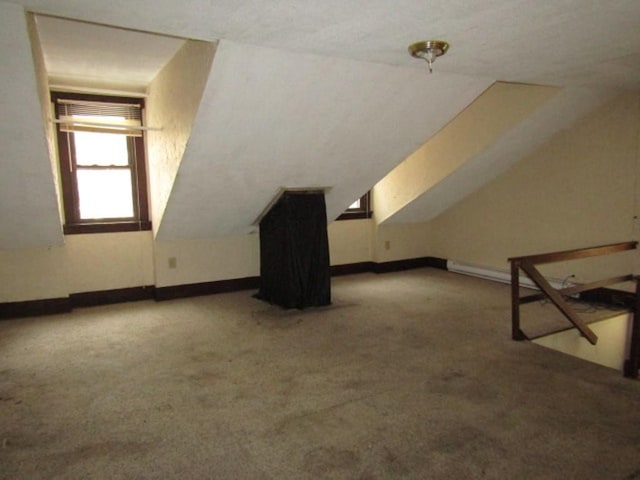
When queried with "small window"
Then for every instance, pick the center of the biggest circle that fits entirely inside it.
(357, 205)
(361, 208)
(102, 163)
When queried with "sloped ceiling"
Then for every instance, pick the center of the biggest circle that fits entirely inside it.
(97, 56)
(270, 119)
(558, 113)
(475, 129)
(29, 214)
(325, 94)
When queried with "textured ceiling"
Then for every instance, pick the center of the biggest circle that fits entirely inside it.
(270, 119)
(579, 42)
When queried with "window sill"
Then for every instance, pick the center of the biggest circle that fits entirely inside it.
(106, 227)
(355, 215)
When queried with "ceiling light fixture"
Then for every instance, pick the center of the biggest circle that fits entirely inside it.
(429, 50)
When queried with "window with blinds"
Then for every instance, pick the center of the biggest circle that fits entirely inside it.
(99, 117)
(102, 162)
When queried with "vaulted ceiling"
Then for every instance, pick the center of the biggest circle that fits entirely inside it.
(310, 94)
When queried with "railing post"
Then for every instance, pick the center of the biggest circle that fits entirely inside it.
(516, 333)
(632, 364)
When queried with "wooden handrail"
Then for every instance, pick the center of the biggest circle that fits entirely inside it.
(577, 253)
(527, 264)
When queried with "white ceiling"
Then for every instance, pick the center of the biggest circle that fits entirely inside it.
(95, 55)
(280, 119)
(576, 42)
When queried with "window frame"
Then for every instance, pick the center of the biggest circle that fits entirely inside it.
(73, 224)
(364, 211)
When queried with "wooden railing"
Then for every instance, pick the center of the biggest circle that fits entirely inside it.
(557, 296)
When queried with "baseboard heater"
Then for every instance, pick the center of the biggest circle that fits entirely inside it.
(501, 275)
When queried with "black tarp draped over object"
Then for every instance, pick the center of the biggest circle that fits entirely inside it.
(294, 252)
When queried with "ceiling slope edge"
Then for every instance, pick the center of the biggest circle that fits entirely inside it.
(272, 119)
(485, 120)
(560, 113)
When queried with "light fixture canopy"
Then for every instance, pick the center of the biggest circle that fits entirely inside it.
(429, 50)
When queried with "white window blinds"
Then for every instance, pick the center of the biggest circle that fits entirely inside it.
(100, 117)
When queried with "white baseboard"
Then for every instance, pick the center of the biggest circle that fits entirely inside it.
(501, 275)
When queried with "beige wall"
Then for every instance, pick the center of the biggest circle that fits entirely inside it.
(350, 241)
(238, 256)
(398, 242)
(106, 261)
(85, 263)
(578, 190)
(120, 260)
(496, 111)
(611, 349)
(173, 100)
(32, 274)
(207, 259)
(95, 262)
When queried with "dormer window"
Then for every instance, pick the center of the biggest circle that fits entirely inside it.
(102, 162)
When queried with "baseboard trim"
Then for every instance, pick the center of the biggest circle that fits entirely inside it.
(34, 308)
(387, 267)
(107, 297)
(206, 288)
(249, 283)
(351, 268)
(409, 263)
(436, 262)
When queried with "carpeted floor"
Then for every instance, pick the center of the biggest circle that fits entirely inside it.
(407, 375)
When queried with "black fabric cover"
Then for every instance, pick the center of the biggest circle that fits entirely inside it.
(294, 252)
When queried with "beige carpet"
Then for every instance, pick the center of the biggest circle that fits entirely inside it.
(407, 375)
